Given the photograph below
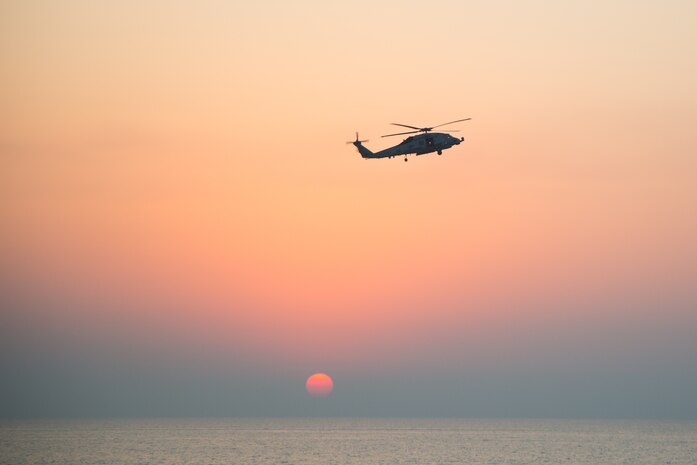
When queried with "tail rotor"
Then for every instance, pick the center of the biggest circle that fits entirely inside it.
(357, 141)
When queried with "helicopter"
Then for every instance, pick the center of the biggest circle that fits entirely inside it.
(421, 144)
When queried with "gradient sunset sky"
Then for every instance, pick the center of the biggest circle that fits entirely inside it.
(184, 231)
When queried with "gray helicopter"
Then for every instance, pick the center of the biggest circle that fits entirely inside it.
(427, 142)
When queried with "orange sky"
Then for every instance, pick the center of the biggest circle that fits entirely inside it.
(191, 157)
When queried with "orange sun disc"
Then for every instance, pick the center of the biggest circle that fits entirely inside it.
(319, 385)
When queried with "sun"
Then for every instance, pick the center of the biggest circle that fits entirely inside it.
(319, 385)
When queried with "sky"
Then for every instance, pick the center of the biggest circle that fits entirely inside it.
(184, 231)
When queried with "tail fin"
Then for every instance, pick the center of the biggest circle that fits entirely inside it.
(365, 153)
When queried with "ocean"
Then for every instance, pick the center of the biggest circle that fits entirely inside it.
(364, 441)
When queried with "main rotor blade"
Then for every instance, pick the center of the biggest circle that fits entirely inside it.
(406, 126)
(400, 133)
(456, 121)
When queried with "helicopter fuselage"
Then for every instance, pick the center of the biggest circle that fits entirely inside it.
(419, 145)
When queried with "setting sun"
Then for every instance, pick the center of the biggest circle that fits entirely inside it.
(319, 385)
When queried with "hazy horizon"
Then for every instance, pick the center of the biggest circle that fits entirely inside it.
(184, 231)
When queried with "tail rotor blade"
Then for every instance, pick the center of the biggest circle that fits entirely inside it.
(357, 140)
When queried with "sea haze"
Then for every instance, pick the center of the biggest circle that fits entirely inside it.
(348, 441)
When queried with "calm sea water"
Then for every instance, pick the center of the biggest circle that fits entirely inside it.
(347, 441)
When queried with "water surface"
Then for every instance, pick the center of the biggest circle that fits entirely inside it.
(347, 441)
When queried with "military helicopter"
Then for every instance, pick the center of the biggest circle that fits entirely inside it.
(426, 142)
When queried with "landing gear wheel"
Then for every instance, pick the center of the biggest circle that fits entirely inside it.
(406, 159)
(440, 152)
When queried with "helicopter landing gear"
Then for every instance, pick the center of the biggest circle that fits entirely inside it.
(440, 152)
